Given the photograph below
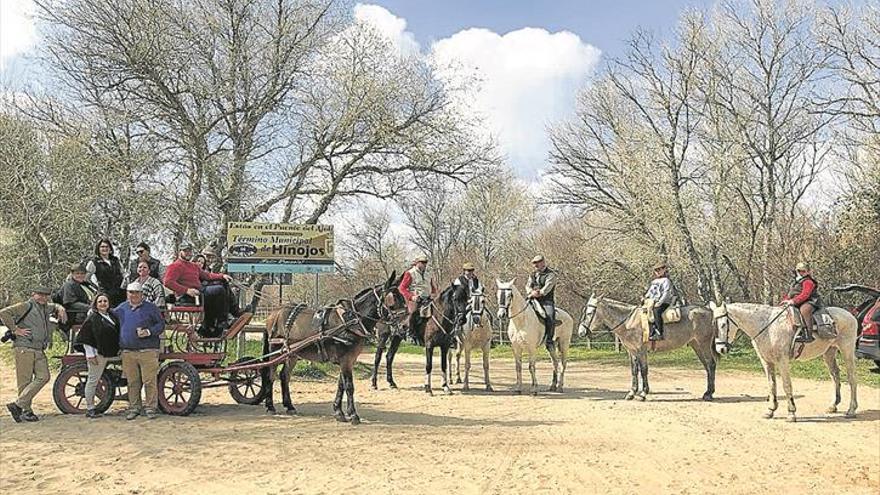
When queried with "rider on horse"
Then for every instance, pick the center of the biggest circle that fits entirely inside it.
(804, 295)
(469, 282)
(662, 293)
(540, 287)
(416, 287)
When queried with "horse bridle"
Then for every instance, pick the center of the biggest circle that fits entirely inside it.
(595, 308)
(730, 319)
(506, 307)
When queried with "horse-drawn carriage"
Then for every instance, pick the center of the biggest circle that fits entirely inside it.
(189, 363)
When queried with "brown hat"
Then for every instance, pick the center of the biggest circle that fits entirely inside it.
(421, 258)
(660, 265)
(467, 266)
(537, 259)
(42, 290)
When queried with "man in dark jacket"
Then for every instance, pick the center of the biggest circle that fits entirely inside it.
(77, 294)
(140, 324)
(157, 270)
(541, 287)
(29, 322)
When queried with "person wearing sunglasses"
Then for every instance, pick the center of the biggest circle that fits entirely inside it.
(142, 252)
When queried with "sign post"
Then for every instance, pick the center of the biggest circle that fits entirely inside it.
(279, 248)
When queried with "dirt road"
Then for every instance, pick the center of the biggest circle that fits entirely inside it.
(583, 441)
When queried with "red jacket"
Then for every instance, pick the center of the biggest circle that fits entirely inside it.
(808, 286)
(183, 275)
(404, 286)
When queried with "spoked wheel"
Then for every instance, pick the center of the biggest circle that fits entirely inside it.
(180, 388)
(69, 390)
(246, 387)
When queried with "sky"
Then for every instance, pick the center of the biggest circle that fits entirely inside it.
(532, 57)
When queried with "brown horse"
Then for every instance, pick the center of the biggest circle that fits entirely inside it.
(438, 330)
(339, 332)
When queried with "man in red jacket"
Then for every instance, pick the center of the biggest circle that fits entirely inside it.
(186, 279)
(804, 295)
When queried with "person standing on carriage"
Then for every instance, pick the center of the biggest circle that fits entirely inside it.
(105, 271)
(803, 294)
(29, 323)
(99, 337)
(140, 324)
(185, 278)
(540, 287)
(468, 282)
(662, 293)
(415, 286)
(157, 269)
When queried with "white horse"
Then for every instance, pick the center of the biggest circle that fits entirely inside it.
(773, 337)
(475, 333)
(526, 330)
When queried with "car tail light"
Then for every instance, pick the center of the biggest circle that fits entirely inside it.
(870, 328)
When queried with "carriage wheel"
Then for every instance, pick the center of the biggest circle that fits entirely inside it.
(246, 387)
(69, 390)
(180, 388)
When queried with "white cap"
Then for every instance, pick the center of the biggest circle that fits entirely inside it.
(134, 287)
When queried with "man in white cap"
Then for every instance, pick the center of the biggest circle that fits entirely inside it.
(415, 286)
(140, 324)
(540, 287)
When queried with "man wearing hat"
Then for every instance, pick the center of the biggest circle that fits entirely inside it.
(30, 325)
(213, 262)
(804, 295)
(415, 286)
(185, 278)
(469, 281)
(140, 324)
(540, 287)
(76, 294)
(661, 292)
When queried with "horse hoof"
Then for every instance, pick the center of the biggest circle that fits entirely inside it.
(458, 381)
(374, 386)
(629, 396)
(641, 397)
(489, 388)
(832, 409)
(271, 412)
(534, 393)
(791, 419)
(559, 389)
(392, 385)
(850, 414)
(517, 392)
(429, 391)
(447, 390)
(355, 420)
(340, 417)
(707, 397)
(768, 415)
(552, 388)
(291, 412)
(465, 388)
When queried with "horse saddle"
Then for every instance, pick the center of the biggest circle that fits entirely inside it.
(541, 314)
(671, 315)
(824, 326)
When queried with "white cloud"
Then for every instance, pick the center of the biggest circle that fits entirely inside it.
(17, 32)
(529, 79)
(389, 25)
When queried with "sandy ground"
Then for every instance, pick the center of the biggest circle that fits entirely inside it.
(586, 440)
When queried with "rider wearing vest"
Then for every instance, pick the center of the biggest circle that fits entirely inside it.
(540, 287)
(469, 281)
(804, 295)
(661, 292)
(415, 286)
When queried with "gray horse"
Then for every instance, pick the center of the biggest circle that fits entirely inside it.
(624, 320)
(773, 337)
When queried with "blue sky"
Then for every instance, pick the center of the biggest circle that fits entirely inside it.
(605, 24)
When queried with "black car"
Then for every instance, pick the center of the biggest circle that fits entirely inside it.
(868, 316)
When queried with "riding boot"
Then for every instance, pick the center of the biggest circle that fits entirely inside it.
(655, 334)
(806, 334)
(548, 338)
